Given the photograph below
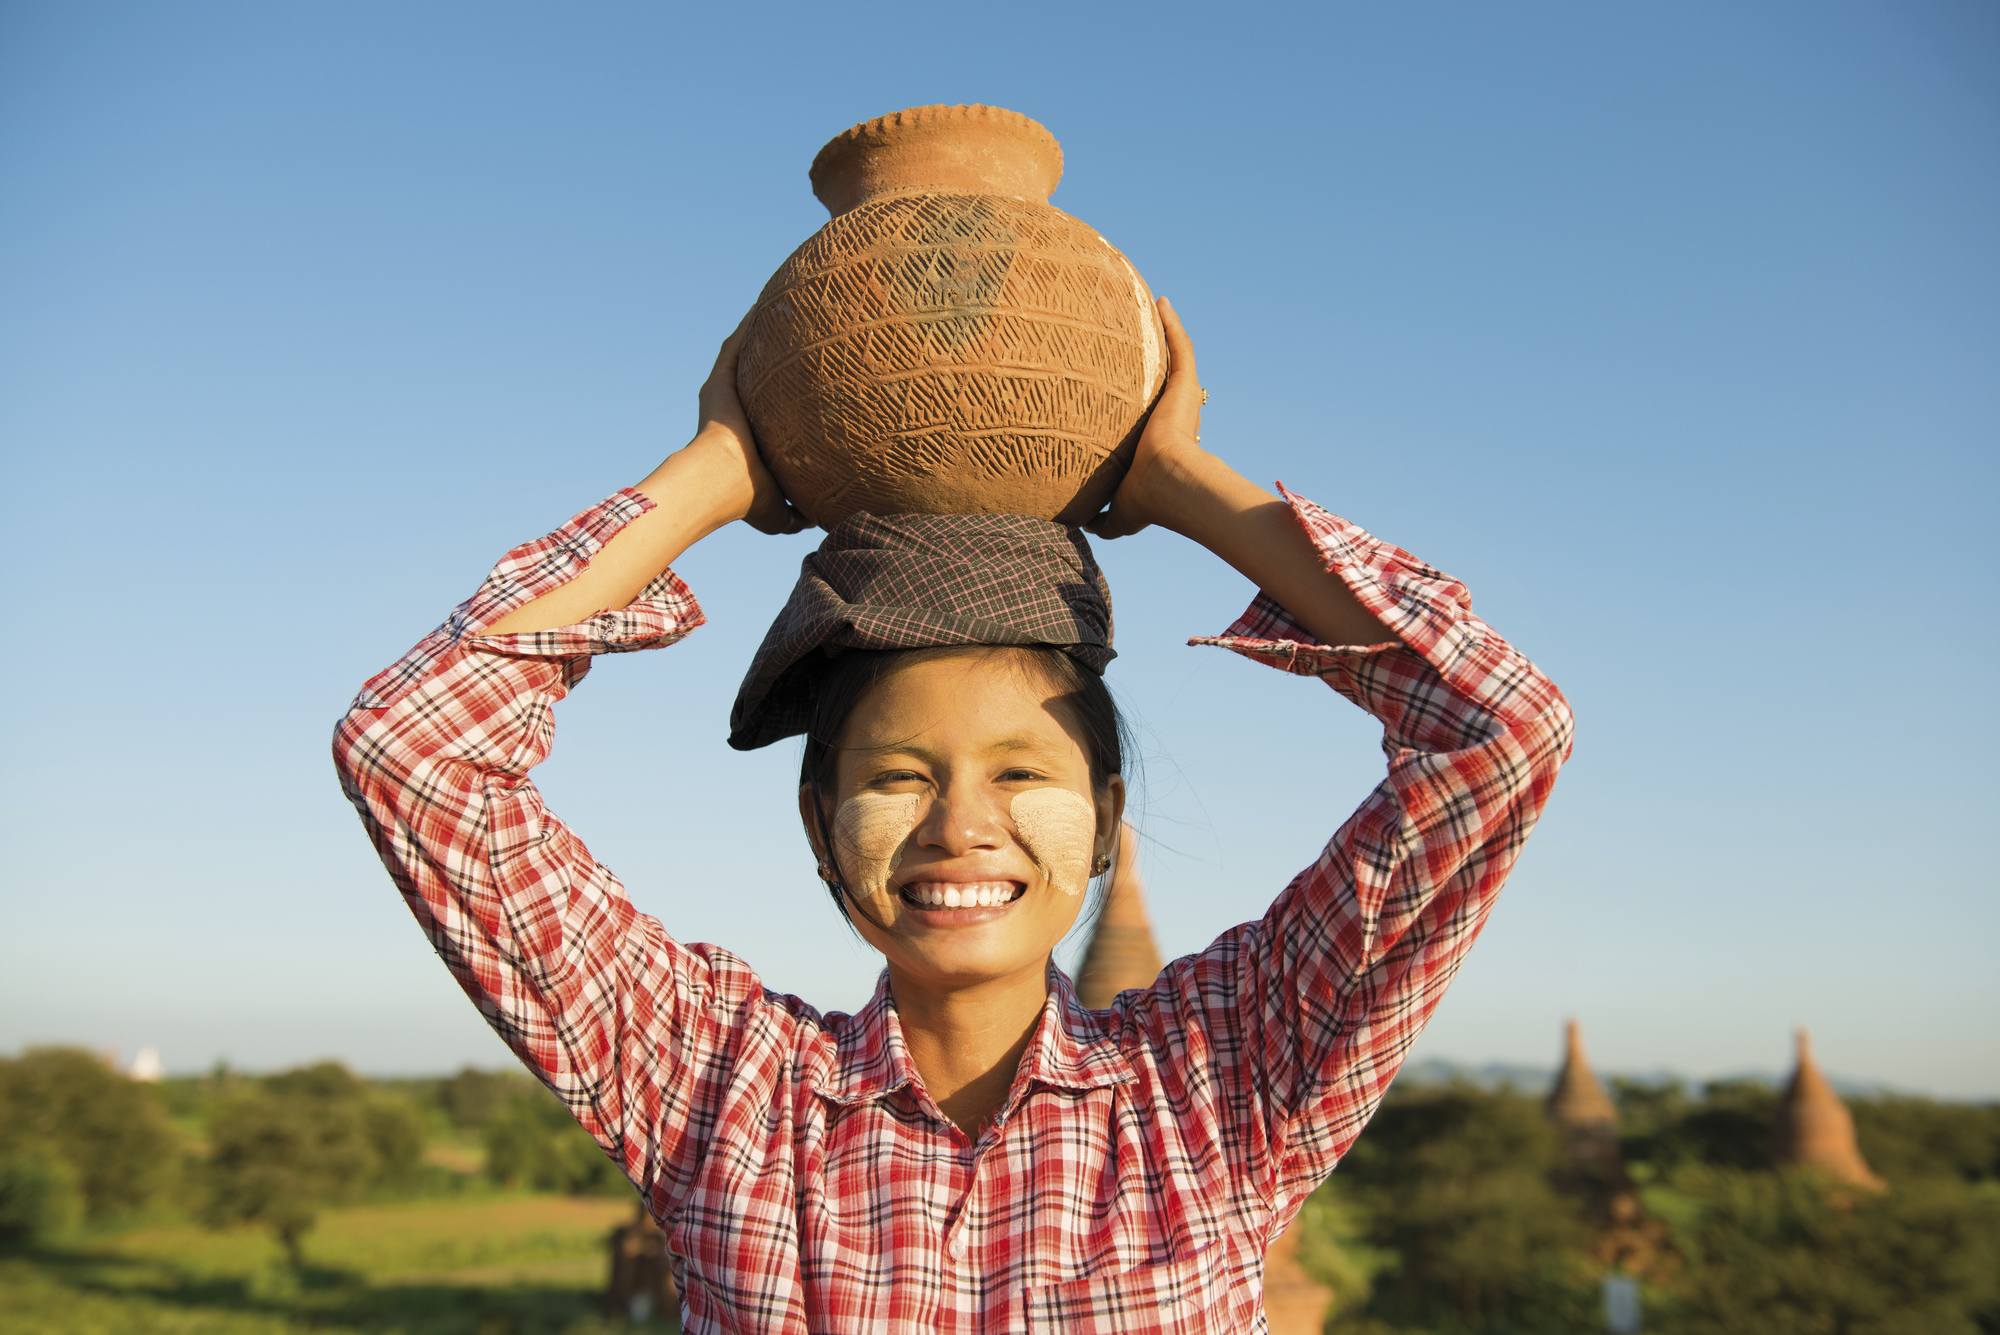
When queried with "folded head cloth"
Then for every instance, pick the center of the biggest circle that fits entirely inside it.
(919, 582)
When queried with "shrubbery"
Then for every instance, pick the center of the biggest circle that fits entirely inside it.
(1444, 1220)
(533, 1141)
(298, 1142)
(40, 1195)
(81, 1143)
(1789, 1253)
(528, 1138)
(77, 1141)
(1453, 1188)
(473, 1098)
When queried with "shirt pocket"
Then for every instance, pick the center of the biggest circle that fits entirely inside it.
(1184, 1297)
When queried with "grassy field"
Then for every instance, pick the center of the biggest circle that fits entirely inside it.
(490, 1264)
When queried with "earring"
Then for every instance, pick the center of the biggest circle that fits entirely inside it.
(1102, 865)
(828, 874)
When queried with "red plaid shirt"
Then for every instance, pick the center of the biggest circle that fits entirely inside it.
(1146, 1154)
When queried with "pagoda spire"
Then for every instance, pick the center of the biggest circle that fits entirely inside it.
(1578, 1101)
(1585, 1116)
(1627, 1239)
(1814, 1128)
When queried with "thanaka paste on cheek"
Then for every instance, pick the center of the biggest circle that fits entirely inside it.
(1058, 828)
(869, 831)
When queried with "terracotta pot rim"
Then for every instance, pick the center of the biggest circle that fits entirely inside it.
(839, 152)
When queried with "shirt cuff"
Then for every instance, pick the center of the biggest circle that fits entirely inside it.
(664, 611)
(1421, 604)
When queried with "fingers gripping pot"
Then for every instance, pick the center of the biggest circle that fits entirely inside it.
(950, 343)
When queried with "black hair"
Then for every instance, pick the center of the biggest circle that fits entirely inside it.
(841, 682)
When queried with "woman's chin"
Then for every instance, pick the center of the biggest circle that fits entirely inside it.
(967, 945)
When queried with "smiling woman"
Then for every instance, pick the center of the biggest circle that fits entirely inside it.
(1075, 699)
(975, 1150)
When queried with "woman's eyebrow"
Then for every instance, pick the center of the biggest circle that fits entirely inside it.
(1028, 745)
(1022, 744)
(889, 750)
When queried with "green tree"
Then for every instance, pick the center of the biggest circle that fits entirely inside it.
(1455, 1185)
(301, 1141)
(1334, 1246)
(1449, 1194)
(111, 1134)
(473, 1098)
(1792, 1253)
(1730, 1124)
(1906, 1138)
(534, 1141)
(40, 1197)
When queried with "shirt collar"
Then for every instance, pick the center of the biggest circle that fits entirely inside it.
(870, 1059)
(1070, 1050)
(1073, 1049)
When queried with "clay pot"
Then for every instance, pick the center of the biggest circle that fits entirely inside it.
(949, 343)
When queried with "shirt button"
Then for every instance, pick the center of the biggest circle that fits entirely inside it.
(956, 1248)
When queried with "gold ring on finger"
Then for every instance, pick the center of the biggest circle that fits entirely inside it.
(1204, 397)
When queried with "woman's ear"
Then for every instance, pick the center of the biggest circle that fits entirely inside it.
(813, 819)
(1110, 803)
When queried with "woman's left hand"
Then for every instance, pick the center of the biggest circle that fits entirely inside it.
(1155, 485)
(1175, 483)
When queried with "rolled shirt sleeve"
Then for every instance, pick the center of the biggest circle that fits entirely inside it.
(1293, 1025)
(619, 1019)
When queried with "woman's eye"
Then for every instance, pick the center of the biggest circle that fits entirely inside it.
(1020, 776)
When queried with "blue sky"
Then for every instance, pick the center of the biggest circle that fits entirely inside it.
(1670, 329)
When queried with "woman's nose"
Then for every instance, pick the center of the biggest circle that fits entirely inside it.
(963, 820)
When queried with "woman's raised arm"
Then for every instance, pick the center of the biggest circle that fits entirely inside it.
(713, 480)
(634, 1031)
(1297, 1022)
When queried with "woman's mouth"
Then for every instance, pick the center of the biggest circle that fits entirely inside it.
(961, 894)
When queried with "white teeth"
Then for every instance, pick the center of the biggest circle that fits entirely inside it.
(935, 895)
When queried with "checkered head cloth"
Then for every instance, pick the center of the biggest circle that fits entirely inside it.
(920, 582)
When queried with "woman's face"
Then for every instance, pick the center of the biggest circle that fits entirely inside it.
(963, 820)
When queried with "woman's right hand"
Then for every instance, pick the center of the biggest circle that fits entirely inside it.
(747, 489)
(715, 479)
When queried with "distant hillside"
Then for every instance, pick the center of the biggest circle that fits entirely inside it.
(1538, 1079)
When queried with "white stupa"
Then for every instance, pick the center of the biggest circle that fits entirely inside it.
(146, 1066)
